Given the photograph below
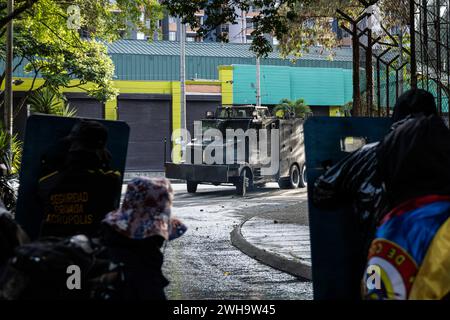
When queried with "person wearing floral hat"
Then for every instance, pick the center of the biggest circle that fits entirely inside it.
(135, 233)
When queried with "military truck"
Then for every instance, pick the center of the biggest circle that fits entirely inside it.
(244, 172)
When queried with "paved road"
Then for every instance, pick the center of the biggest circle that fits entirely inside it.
(204, 265)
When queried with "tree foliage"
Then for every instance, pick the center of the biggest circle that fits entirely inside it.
(59, 54)
(47, 101)
(10, 156)
(20, 7)
(297, 24)
(287, 107)
(50, 49)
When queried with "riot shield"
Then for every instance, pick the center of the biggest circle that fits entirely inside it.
(334, 233)
(43, 132)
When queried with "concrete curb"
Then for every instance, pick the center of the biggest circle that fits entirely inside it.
(273, 260)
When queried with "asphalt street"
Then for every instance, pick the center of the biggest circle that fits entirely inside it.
(203, 264)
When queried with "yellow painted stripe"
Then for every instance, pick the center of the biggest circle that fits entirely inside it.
(111, 109)
(161, 87)
(176, 105)
(26, 85)
(124, 86)
(226, 79)
(335, 111)
(176, 118)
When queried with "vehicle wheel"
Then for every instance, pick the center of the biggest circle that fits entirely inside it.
(191, 186)
(293, 181)
(244, 184)
(303, 181)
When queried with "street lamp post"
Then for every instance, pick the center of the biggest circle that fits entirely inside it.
(183, 73)
(258, 81)
(182, 39)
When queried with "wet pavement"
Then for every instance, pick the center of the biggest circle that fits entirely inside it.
(203, 264)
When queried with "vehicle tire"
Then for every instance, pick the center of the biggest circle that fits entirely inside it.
(283, 183)
(303, 182)
(191, 186)
(293, 181)
(244, 184)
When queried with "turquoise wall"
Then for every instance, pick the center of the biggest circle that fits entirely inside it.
(432, 88)
(318, 86)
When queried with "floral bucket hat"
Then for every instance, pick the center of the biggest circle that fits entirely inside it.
(146, 211)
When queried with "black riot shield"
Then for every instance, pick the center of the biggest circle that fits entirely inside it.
(42, 133)
(334, 233)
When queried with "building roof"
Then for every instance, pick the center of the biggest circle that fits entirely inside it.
(160, 60)
(214, 49)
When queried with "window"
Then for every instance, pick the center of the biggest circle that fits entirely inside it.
(190, 39)
(172, 20)
(235, 112)
(172, 36)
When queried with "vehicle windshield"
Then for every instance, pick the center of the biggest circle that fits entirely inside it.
(222, 125)
(235, 112)
(209, 125)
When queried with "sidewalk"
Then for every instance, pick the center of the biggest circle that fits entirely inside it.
(278, 239)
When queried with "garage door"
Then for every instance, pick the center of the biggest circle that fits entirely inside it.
(86, 106)
(149, 118)
(196, 108)
(20, 115)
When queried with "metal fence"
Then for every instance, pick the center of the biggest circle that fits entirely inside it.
(392, 61)
(431, 20)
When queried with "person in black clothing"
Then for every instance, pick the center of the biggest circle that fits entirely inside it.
(11, 236)
(77, 196)
(55, 157)
(354, 180)
(135, 233)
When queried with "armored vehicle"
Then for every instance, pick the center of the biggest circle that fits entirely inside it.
(244, 146)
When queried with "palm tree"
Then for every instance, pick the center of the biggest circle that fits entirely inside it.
(48, 101)
(287, 107)
(10, 157)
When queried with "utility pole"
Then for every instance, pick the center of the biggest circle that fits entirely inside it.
(243, 27)
(258, 81)
(183, 74)
(8, 106)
